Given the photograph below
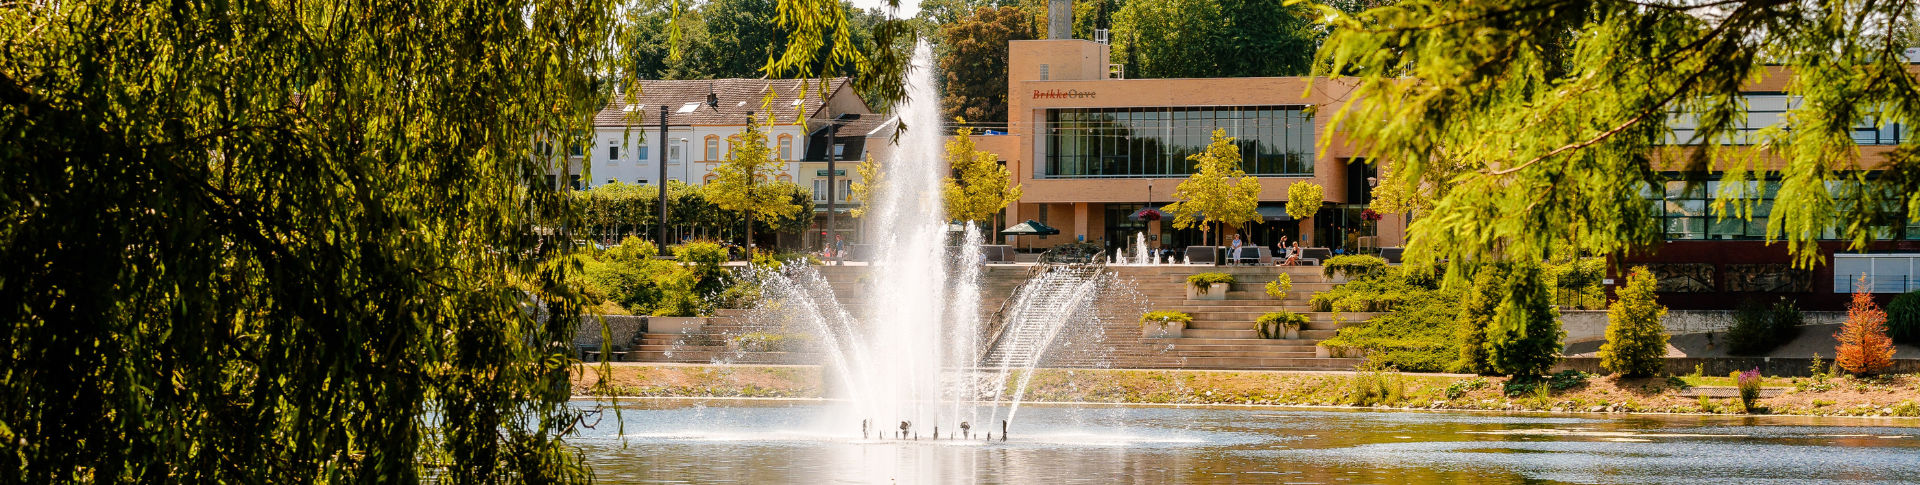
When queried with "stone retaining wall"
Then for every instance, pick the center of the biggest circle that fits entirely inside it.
(1721, 366)
(1585, 325)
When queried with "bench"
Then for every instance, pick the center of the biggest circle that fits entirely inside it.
(626, 334)
(1200, 254)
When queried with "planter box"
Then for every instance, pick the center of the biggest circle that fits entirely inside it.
(1324, 352)
(1293, 333)
(1170, 330)
(1217, 291)
(675, 324)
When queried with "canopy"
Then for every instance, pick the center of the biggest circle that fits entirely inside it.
(1273, 213)
(1030, 228)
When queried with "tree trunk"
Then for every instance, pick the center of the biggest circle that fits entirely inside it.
(749, 245)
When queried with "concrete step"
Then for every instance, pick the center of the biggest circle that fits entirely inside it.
(1213, 333)
(1201, 354)
(1234, 341)
(731, 357)
(1246, 348)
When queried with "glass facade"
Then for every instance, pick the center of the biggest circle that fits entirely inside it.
(1155, 142)
(1765, 110)
(1686, 213)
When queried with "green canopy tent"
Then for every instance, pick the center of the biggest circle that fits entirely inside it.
(1029, 228)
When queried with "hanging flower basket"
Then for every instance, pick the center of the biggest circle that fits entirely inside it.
(1149, 215)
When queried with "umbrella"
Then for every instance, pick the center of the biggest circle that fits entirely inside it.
(1030, 228)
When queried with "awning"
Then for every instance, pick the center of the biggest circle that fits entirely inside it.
(1030, 228)
(1273, 213)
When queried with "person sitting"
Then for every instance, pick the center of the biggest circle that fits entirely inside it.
(1293, 255)
(1233, 255)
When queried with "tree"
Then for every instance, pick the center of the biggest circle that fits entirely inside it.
(1476, 313)
(980, 186)
(1304, 199)
(1214, 38)
(1218, 191)
(864, 189)
(291, 241)
(1864, 347)
(1523, 339)
(1558, 110)
(1636, 339)
(975, 63)
(740, 184)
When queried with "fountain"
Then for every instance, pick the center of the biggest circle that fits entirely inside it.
(1141, 253)
(915, 352)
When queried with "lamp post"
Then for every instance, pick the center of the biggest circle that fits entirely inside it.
(660, 234)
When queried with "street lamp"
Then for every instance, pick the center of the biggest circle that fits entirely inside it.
(660, 233)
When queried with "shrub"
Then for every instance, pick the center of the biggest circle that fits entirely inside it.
(1280, 285)
(773, 342)
(1164, 317)
(1275, 325)
(1577, 283)
(1749, 383)
(1353, 266)
(1203, 282)
(1320, 302)
(1522, 385)
(1524, 336)
(1864, 346)
(1461, 387)
(1636, 340)
(1759, 328)
(1476, 313)
(1418, 336)
(1903, 318)
(1372, 387)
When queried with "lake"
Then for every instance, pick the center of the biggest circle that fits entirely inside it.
(774, 442)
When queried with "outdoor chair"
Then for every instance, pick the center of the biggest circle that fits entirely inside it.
(1313, 256)
(1200, 254)
(1392, 255)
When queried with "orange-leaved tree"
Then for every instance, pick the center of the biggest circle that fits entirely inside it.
(1864, 346)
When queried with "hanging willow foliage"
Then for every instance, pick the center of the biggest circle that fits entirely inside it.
(281, 241)
(1536, 123)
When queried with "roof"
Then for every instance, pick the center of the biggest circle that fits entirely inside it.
(737, 98)
(853, 133)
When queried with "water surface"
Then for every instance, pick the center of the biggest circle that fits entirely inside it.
(773, 442)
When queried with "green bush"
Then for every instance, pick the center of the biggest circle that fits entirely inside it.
(1903, 318)
(1275, 325)
(1418, 336)
(773, 342)
(1280, 285)
(1461, 387)
(1758, 328)
(1523, 385)
(1524, 337)
(1636, 340)
(1577, 283)
(1476, 313)
(1163, 317)
(1376, 387)
(1203, 282)
(1320, 302)
(1352, 266)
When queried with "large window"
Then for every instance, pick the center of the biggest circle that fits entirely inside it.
(1685, 212)
(1155, 142)
(1764, 110)
(1876, 273)
(713, 148)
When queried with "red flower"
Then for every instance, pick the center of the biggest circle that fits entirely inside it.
(1370, 215)
(1149, 215)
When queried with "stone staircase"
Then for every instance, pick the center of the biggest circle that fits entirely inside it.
(1221, 335)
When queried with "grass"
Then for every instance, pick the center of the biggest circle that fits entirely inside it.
(1897, 396)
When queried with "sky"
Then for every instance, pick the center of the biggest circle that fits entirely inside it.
(908, 8)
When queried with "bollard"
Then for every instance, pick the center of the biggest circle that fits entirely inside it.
(1003, 430)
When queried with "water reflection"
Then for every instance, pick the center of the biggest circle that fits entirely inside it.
(726, 441)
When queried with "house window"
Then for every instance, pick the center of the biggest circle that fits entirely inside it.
(613, 153)
(713, 148)
(573, 181)
(786, 147)
(612, 181)
(1043, 71)
(785, 178)
(640, 153)
(710, 178)
(673, 154)
(820, 190)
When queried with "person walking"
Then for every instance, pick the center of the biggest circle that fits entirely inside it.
(839, 250)
(1280, 252)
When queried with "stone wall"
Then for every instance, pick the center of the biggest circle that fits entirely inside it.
(1585, 325)
(1721, 366)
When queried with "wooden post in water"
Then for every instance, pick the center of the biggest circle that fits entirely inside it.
(1003, 430)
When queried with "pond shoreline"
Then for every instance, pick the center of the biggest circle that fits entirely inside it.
(1889, 396)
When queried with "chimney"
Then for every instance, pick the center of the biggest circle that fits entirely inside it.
(1060, 19)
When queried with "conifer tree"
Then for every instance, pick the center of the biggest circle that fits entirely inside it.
(1476, 312)
(1524, 337)
(1864, 347)
(1636, 339)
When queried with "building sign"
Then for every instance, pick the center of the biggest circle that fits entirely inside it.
(1058, 94)
(836, 173)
